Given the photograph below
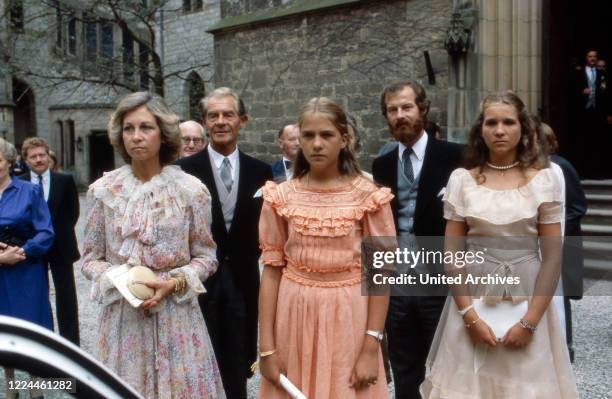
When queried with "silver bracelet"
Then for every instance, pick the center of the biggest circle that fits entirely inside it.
(527, 326)
(463, 311)
(376, 334)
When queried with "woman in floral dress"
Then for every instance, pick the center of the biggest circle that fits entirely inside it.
(150, 213)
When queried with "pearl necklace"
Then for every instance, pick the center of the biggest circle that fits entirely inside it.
(504, 168)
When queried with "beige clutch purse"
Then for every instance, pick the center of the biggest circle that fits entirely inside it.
(138, 276)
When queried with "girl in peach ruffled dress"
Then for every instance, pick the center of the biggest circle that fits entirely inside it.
(316, 327)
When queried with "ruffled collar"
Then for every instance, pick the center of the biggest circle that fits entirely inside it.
(327, 212)
(140, 206)
(501, 206)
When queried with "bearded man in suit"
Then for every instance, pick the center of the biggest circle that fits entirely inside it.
(417, 172)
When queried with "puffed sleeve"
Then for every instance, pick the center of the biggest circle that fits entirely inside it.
(550, 197)
(378, 218)
(454, 208)
(202, 247)
(272, 227)
(93, 263)
(43, 237)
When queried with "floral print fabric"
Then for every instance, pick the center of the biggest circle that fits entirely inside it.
(163, 224)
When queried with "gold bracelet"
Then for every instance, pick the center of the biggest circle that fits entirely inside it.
(469, 325)
(267, 353)
(180, 283)
(255, 364)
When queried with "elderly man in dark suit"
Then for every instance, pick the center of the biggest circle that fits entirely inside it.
(234, 179)
(63, 201)
(288, 142)
(417, 172)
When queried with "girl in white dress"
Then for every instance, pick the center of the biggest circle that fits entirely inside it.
(507, 191)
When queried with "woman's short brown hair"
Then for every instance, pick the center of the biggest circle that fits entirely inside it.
(167, 121)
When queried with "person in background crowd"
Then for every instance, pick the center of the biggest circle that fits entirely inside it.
(315, 325)
(508, 191)
(416, 171)
(591, 112)
(289, 145)
(26, 234)
(233, 178)
(572, 269)
(19, 167)
(62, 198)
(54, 166)
(355, 146)
(161, 348)
(193, 138)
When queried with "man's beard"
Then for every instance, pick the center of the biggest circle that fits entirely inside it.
(409, 130)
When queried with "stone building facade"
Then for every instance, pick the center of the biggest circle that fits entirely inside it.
(346, 50)
(73, 115)
(279, 53)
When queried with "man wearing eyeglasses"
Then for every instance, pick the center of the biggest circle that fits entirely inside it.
(192, 135)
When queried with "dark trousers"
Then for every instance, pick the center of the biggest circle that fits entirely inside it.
(66, 305)
(225, 313)
(411, 324)
(568, 327)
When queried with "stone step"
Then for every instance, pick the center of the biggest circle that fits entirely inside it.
(597, 246)
(605, 198)
(590, 229)
(597, 186)
(598, 268)
(598, 215)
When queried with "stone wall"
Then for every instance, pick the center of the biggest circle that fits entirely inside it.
(187, 47)
(348, 54)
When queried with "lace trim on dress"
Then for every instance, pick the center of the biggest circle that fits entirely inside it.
(466, 198)
(333, 221)
(321, 284)
(327, 269)
(140, 206)
(272, 255)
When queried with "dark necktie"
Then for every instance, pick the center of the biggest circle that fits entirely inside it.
(408, 172)
(40, 184)
(288, 164)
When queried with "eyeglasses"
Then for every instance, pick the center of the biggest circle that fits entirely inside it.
(196, 140)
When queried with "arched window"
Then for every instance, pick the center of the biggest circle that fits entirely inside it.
(195, 87)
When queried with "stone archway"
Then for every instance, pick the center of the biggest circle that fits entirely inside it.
(24, 116)
(196, 91)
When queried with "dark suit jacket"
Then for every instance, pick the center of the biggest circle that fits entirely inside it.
(582, 82)
(238, 248)
(441, 158)
(63, 205)
(575, 209)
(278, 171)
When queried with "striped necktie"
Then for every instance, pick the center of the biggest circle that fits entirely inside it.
(408, 172)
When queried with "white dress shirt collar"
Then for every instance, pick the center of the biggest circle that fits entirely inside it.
(418, 149)
(46, 178)
(218, 158)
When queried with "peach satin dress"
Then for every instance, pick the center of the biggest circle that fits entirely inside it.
(321, 315)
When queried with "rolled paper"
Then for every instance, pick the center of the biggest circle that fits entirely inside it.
(290, 388)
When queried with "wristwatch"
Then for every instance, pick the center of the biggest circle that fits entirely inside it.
(376, 334)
